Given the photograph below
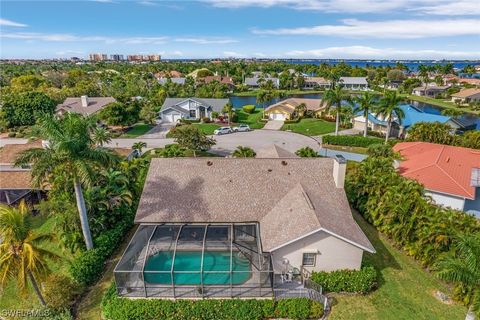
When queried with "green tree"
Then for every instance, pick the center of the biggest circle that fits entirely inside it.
(72, 151)
(148, 114)
(243, 152)
(100, 136)
(22, 257)
(138, 146)
(23, 109)
(388, 107)
(191, 138)
(300, 110)
(462, 267)
(306, 152)
(434, 132)
(120, 114)
(364, 104)
(334, 98)
(230, 112)
(471, 139)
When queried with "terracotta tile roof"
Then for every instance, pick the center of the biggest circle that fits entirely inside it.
(473, 81)
(288, 105)
(440, 168)
(288, 197)
(9, 152)
(465, 93)
(273, 151)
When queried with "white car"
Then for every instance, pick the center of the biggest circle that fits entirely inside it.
(242, 128)
(222, 130)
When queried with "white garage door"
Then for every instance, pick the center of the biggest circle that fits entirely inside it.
(172, 117)
(277, 116)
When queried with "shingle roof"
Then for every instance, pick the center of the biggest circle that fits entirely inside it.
(288, 105)
(9, 152)
(440, 168)
(20, 179)
(94, 104)
(465, 93)
(354, 80)
(254, 81)
(216, 104)
(177, 80)
(274, 151)
(288, 197)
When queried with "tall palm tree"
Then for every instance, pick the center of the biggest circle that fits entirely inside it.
(463, 268)
(262, 98)
(21, 257)
(72, 151)
(364, 104)
(243, 152)
(334, 78)
(138, 146)
(334, 98)
(301, 109)
(101, 136)
(388, 107)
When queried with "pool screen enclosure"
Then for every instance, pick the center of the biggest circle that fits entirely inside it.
(195, 261)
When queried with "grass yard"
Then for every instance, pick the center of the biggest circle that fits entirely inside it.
(137, 130)
(310, 127)
(252, 119)
(441, 103)
(346, 148)
(405, 292)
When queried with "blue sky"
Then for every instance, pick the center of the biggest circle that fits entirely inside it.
(366, 29)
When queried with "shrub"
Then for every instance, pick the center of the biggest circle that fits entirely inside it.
(114, 307)
(306, 152)
(249, 108)
(88, 266)
(351, 141)
(355, 281)
(60, 291)
(171, 151)
(187, 121)
(12, 134)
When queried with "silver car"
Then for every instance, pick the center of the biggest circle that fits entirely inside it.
(242, 128)
(222, 130)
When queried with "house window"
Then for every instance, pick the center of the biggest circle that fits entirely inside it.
(309, 259)
(192, 114)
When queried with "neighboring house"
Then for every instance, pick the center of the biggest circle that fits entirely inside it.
(413, 115)
(316, 82)
(254, 82)
(354, 83)
(15, 182)
(84, 105)
(429, 91)
(174, 109)
(176, 80)
(466, 96)
(472, 81)
(394, 84)
(450, 175)
(168, 74)
(224, 80)
(206, 231)
(285, 109)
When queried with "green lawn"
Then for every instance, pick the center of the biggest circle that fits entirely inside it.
(311, 127)
(345, 148)
(405, 288)
(137, 130)
(252, 119)
(441, 103)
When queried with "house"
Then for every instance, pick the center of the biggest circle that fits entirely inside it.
(354, 83)
(316, 82)
(275, 152)
(285, 109)
(221, 79)
(471, 81)
(412, 114)
(466, 96)
(174, 109)
(176, 80)
(255, 82)
(206, 231)
(84, 105)
(450, 175)
(168, 74)
(429, 91)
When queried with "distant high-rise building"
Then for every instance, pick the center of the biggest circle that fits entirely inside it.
(98, 57)
(140, 58)
(135, 57)
(116, 57)
(153, 57)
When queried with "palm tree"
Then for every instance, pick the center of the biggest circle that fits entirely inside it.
(230, 112)
(72, 151)
(138, 146)
(388, 107)
(101, 136)
(21, 257)
(364, 104)
(334, 97)
(306, 152)
(334, 78)
(262, 98)
(300, 110)
(243, 152)
(462, 267)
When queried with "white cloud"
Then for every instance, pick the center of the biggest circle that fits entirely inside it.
(206, 40)
(393, 29)
(10, 23)
(233, 54)
(453, 8)
(148, 3)
(64, 37)
(364, 52)
(259, 54)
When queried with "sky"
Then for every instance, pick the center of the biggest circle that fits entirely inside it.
(323, 29)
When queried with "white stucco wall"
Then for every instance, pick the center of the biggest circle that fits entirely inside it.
(446, 200)
(332, 253)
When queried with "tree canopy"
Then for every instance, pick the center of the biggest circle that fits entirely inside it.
(23, 109)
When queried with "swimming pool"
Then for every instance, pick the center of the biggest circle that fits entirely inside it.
(186, 261)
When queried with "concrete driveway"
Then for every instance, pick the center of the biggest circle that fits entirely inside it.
(256, 139)
(273, 125)
(159, 131)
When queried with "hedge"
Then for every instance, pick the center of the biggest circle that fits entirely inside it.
(249, 108)
(351, 141)
(354, 281)
(117, 308)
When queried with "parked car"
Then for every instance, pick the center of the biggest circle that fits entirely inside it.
(242, 128)
(222, 130)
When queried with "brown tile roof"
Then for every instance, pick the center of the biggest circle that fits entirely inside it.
(319, 80)
(288, 105)
(94, 104)
(124, 152)
(473, 81)
(15, 180)
(9, 152)
(221, 79)
(273, 151)
(465, 93)
(288, 197)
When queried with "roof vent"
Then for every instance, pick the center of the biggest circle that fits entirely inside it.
(269, 170)
(284, 163)
(209, 163)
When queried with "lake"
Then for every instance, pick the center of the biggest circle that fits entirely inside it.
(239, 102)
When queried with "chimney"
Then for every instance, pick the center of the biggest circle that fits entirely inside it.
(84, 100)
(339, 169)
